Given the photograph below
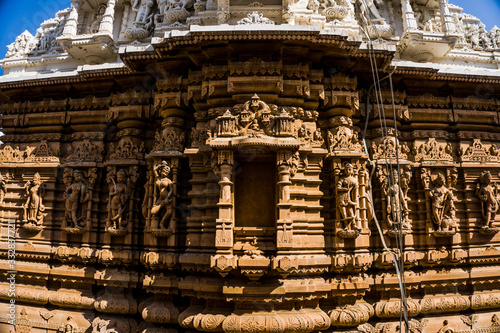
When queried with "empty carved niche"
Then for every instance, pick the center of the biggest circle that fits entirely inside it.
(255, 203)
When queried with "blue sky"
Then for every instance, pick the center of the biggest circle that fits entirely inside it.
(19, 15)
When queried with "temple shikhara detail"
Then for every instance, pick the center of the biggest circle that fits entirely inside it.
(241, 166)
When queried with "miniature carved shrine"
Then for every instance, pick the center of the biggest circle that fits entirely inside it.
(252, 167)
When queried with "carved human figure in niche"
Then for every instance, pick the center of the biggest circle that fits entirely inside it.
(347, 199)
(34, 208)
(96, 22)
(255, 113)
(397, 206)
(162, 206)
(369, 9)
(487, 192)
(76, 195)
(118, 199)
(443, 206)
(144, 10)
(3, 188)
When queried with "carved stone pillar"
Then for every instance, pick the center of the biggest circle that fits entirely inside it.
(448, 24)
(70, 29)
(106, 26)
(284, 232)
(409, 21)
(223, 261)
(126, 13)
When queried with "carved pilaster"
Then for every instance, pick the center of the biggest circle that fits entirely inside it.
(284, 232)
(70, 29)
(106, 26)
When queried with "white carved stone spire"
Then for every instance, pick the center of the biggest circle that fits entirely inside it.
(106, 26)
(70, 29)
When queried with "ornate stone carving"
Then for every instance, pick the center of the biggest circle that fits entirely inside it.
(173, 13)
(255, 18)
(170, 136)
(23, 45)
(488, 194)
(33, 208)
(351, 316)
(162, 203)
(343, 138)
(477, 152)
(126, 149)
(120, 192)
(396, 214)
(347, 203)
(442, 201)
(85, 151)
(76, 197)
(376, 25)
(144, 19)
(386, 149)
(434, 151)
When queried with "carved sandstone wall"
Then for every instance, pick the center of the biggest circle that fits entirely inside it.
(164, 177)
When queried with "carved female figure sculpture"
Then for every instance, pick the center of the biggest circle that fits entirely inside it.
(488, 194)
(144, 9)
(397, 206)
(162, 205)
(76, 195)
(118, 197)
(443, 207)
(3, 188)
(96, 22)
(347, 199)
(33, 208)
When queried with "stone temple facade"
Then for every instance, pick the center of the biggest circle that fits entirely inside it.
(240, 166)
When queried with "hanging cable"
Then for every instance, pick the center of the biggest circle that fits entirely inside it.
(398, 262)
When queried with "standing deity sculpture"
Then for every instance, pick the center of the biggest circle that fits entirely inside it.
(347, 200)
(443, 207)
(487, 192)
(397, 205)
(76, 195)
(96, 22)
(162, 205)
(34, 208)
(144, 19)
(119, 193)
